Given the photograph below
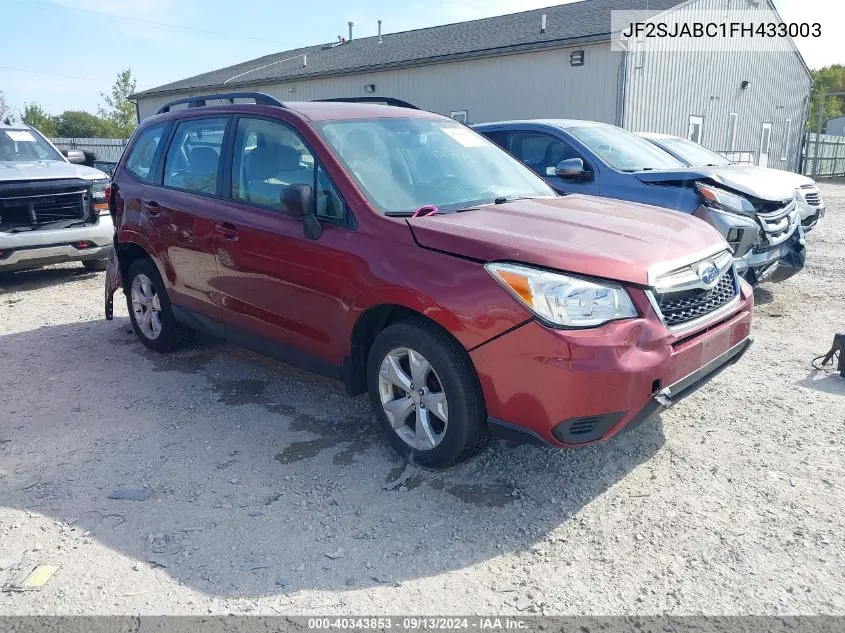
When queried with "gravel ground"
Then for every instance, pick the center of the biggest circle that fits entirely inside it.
(272, 492)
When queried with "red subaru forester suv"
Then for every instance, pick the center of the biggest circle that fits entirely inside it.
(410, 257)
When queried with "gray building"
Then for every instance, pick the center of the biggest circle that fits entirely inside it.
(835, 127)
(555, 62)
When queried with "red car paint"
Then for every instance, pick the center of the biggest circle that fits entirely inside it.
(250, 269)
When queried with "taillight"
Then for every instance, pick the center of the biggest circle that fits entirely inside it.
(108, 193)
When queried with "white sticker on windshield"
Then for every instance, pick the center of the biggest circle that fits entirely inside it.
(20, 136)
(465, 137)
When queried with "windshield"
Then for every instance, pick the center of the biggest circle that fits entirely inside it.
(25, 145)
(623, 150)
(692, 153)
(404, 164)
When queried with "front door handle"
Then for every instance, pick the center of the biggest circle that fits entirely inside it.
(152, 207)
(228, 230)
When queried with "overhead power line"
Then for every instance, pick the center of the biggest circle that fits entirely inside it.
(162, 25)
(40, 72)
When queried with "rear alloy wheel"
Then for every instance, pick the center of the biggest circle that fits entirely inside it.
(146, 306)
(425, 394)
(149, 309)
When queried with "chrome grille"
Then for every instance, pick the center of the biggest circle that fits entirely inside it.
(682, 307)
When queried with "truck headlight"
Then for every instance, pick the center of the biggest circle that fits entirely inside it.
(98, 196)
(725, 200)
(562, 299)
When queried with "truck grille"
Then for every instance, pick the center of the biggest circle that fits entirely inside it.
(681, 307)
(43, 208)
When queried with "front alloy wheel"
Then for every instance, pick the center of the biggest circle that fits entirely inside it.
(413, 398)
(425, 394)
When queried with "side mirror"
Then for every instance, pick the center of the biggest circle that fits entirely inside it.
(571, 168)
(75, 156)
(298, 201)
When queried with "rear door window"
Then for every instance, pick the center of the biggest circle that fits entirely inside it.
(144, 154)
(193, 159)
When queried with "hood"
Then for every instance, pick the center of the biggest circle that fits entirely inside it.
(579, 234)
(765, 184)
(46, 170)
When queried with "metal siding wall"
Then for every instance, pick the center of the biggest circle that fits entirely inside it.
(527, 85)
(672, 86)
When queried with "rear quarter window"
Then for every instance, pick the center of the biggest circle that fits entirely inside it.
(144, 154)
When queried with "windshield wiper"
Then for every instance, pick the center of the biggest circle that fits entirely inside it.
(504, 199)
(411, 214)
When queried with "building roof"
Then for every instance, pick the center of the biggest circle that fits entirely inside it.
(587, 20)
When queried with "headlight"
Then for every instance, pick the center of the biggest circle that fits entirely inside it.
(98, 196)
(725, 200)
(563, 299)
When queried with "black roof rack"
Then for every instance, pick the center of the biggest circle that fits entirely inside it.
(383, 100)
(199, 100)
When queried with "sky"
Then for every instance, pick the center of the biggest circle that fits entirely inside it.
(62, 54)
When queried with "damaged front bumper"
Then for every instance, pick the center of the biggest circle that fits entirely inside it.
(770, 248)
(776, 263)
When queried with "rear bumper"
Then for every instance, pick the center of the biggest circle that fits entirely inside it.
(568, 388)
(38, 248)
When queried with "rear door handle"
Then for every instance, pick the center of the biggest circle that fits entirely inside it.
(152, 207)
(228, 230)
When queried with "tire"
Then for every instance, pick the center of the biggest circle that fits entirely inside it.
(95, 265)
(170, 334)
(451, 390)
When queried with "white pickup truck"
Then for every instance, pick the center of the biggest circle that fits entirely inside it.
(51, 210)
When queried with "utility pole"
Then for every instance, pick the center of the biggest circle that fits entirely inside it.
(819, 119)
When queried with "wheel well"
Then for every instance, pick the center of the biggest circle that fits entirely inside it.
(127, 253)
(366, 329)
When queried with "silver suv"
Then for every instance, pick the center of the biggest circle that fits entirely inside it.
(51, 210)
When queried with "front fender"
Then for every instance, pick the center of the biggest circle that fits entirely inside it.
(457, 294)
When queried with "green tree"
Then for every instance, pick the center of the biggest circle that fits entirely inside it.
(6, 111)
(828, 79)
(35, 116)
(119, 110)
(76, 123)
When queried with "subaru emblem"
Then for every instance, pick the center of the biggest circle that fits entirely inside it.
(707, 273)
